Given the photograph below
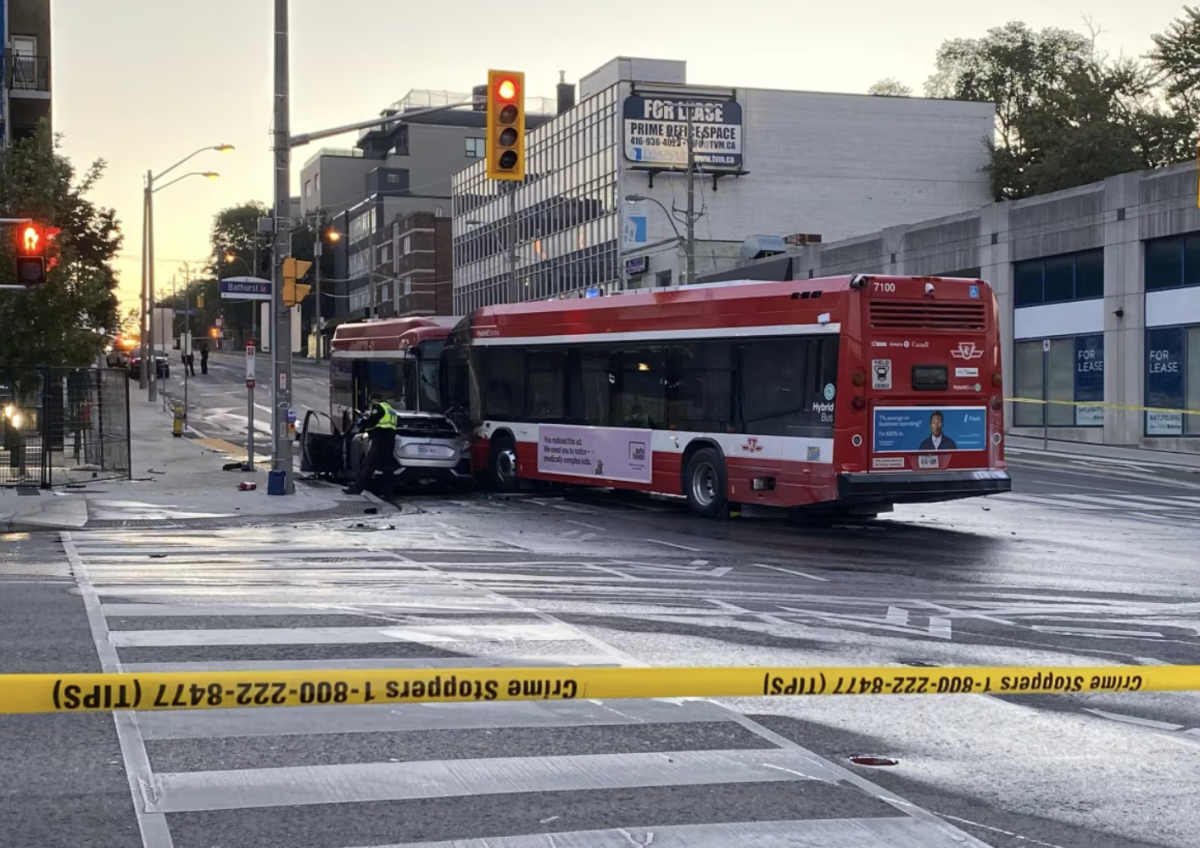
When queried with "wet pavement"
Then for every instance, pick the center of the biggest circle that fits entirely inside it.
(1084, 563)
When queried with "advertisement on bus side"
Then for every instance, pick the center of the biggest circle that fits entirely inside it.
(913, 429)
(604, 453)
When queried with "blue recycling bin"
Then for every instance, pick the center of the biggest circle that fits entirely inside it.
(276, 482)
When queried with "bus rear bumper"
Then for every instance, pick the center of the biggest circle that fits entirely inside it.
(921, 486)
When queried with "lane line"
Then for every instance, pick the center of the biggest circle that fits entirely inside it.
(673, 545)
(790, 571)
(142, 783)
(1141, 722)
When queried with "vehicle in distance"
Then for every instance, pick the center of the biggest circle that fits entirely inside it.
(844, 395)
(399, 359)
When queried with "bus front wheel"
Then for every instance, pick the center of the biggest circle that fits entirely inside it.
(504, 465)
(705, 484)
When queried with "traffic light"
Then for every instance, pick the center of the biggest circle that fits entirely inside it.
(31, 254)
(506, 126)
(293, 292)
(199, 301)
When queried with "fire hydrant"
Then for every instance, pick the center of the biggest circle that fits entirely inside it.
(177, 424)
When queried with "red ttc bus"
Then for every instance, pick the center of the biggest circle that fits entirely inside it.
(846, 394)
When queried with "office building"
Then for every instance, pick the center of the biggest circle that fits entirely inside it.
(368, 192)
(828, 165)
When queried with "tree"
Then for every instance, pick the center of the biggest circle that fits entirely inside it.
(71, 319)
(1066, 115)
(1012, 66)
(890, 87)
(1175, 61)
(237, 251)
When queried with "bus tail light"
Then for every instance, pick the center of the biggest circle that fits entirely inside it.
(859, 378)
(997, 402)
(997, 379)
(857, 403)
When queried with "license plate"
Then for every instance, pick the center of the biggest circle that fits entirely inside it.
(427, 450)
(927, 462)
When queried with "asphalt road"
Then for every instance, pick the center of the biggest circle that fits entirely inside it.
(1085, 563)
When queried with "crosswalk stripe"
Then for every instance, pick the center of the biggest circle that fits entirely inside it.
(182, 792)
(505, 660)
(1124, 504)
(391, 718)
(889, 832)
(345, 635)
(1020, 497)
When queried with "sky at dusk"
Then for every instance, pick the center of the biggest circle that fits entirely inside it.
(143, 83)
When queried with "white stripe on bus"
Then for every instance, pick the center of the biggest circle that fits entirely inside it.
(731, 333)
(734, 445)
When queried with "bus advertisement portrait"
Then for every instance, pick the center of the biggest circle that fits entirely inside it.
(912, 429)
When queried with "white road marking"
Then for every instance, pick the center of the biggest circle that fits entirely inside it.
(1097, 632)
(1142, 722)
(673, 545)
(584, 524)
(790, 571)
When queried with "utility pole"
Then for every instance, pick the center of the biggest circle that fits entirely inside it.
(514, 292)
(145, 331)
(318, 250)
(281, 459)
(691, 201)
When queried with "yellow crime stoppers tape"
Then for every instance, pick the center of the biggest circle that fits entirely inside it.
(70, 693)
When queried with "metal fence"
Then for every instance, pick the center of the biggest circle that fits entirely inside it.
(63, 425)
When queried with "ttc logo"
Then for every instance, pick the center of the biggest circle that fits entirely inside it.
(967, 350)
(752, 446)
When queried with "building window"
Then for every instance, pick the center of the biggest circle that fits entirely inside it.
(1059, 279)
(1075, 377)
(1173, 380)
(393, 178)
(308, 188)
(663, 278)
(406, 245)
(1173, 262)
(475, 148)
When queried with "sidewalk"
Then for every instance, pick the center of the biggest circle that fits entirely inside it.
(1024, 445)
(177, 482)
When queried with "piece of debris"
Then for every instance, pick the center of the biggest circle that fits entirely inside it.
(247, 487)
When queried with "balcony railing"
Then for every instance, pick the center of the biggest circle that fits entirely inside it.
(27, 73)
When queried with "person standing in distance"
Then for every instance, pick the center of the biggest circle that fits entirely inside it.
(380, 424)
(937, 439)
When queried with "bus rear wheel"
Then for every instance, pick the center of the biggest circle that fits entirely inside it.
(705, 484)
(503, 465)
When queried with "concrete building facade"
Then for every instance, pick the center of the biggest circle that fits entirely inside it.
(365, 194)
(595, 211)
(25, 67)
(1098, 286)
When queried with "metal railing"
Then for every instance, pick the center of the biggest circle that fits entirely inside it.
(63, 425)
(27, 73)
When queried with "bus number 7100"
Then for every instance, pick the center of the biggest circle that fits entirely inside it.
(884, 287)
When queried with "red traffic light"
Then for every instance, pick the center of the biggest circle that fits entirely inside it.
(31, 241)
(507, 89)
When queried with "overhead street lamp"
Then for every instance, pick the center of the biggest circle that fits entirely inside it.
(144, 378)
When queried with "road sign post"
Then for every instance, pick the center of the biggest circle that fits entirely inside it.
(1045, 395)
(250, 381)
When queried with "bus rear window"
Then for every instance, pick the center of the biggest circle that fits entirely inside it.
(930, 378)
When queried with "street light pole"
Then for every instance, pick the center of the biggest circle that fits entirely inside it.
(150, 363)
(691, 202)
(145, 278)
(282, 458)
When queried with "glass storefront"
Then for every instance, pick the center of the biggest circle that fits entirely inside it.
(1172, 381)
(1074, 371)
(567, 214)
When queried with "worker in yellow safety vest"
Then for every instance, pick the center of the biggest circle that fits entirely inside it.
(379, 423)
